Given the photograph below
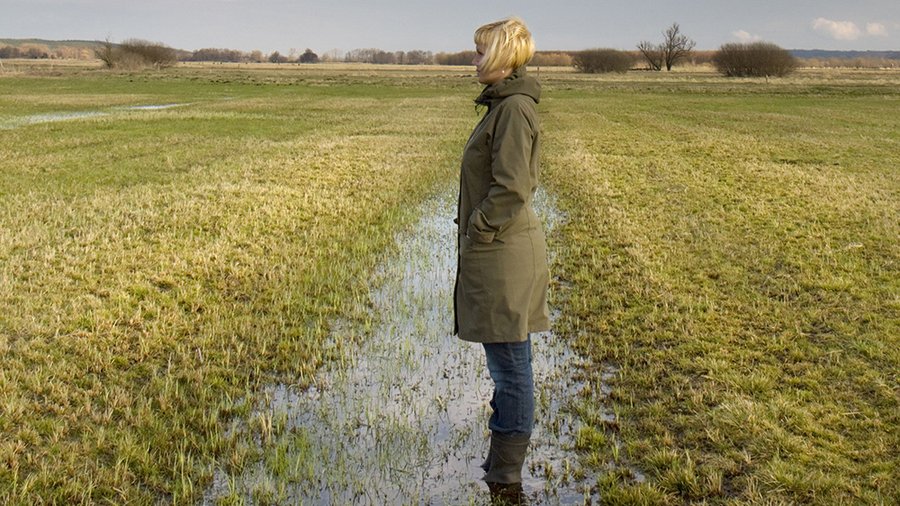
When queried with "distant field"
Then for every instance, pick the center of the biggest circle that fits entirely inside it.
(731, 247)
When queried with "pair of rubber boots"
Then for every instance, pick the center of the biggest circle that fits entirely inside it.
(503, 467)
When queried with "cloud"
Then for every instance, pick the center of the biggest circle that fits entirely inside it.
(745, 36)
(840, 30)
(876, 29)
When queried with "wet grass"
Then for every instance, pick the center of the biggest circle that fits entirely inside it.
(728, 268)
(402, 418)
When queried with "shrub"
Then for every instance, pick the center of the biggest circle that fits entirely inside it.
(755, 59)
(597, 61)
(136, 53)
(149, 53)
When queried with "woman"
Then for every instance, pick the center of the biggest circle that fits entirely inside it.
(502, 276)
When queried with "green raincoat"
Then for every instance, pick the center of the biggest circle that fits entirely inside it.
(502, 275)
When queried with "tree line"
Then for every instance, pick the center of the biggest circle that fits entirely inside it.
(756, 59)
(43, 52)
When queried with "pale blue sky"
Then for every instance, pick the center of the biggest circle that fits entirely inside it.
(447, 25)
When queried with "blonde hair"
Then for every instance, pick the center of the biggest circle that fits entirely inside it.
(506, 43)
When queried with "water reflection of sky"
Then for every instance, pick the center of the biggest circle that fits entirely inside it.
(52, 117)
(405, 421)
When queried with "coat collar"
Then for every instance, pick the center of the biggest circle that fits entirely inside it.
(517, 83)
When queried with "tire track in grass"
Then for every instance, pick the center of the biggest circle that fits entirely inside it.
(402, 419)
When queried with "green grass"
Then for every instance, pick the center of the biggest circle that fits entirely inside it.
(731, 251)
(735, 253)
(157, 267)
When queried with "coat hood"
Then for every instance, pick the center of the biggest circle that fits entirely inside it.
(517, 83)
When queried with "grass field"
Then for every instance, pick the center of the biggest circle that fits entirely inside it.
(731, 248)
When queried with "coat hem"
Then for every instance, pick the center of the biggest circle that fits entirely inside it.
(533, 330)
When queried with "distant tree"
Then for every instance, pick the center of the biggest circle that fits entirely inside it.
(383, 57)
(256, 56)
(332, 55)
(34, 51)
(361, 55)
(675, 47)
(418, 57)
(218, 55)
(755, 59)
(277, 57)
(10, 52)
(309, 56)
(370, 55)
(597, 61)
(652, 53)
(106, 53)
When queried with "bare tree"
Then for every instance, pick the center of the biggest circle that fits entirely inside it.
(653, 53)
(676, 46)
(332, 55)
(106, 53)
(418, 57)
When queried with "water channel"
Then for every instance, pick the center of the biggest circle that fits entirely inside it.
(403, 420)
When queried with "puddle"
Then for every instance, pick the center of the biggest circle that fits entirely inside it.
(404, 419)
(48, 118)
(34, 119)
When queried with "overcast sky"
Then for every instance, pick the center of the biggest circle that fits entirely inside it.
(445, 25)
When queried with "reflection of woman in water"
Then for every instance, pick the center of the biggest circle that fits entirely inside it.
(502, 277)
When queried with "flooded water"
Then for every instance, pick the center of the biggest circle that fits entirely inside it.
(34, 119)
(404, 419)
(48, 118)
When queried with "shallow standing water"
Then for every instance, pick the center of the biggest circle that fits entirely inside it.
(403, 420)
(53, 117)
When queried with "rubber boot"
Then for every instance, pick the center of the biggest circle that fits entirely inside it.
(486, 465)
(507, 455)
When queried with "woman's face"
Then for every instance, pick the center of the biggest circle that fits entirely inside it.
(488, 78)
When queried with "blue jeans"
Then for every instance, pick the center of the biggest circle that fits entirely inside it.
(513, 399)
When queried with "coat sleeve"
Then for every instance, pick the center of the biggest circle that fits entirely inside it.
(510, 178)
